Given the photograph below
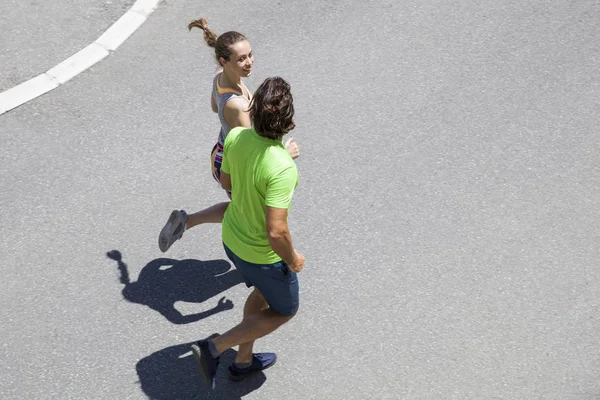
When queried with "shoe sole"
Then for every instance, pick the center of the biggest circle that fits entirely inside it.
(238, 378)
(200, 359)
(168, 230)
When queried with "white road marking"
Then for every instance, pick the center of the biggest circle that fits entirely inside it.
(78, 63)
(109, 41)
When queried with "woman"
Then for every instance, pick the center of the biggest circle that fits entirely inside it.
(230, 99)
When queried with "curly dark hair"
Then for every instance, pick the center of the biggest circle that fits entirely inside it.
(272, 108)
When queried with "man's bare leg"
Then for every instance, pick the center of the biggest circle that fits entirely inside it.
(251, 328)
(255, 303)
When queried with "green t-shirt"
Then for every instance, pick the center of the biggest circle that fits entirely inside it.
(262, 174)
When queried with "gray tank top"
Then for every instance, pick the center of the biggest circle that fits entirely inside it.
(222, 96)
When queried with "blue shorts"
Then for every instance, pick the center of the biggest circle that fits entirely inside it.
(276, 282)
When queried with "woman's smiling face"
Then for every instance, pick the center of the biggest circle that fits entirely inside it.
(241, 59)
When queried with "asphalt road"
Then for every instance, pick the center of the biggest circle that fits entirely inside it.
(37, 35)
(447, 206)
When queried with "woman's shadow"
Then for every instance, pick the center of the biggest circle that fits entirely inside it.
(165, 281)
(171, 373)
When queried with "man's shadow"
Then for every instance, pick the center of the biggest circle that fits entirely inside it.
(172, 373)
(165, 281)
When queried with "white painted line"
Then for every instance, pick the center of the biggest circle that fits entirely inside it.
(121, 30)
(145, 7)
(110, 40)
(78, 62)
(26, 91)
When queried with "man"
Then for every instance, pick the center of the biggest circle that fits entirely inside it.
(262, 177)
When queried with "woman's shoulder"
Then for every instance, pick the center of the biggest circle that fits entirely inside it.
(236, 103)
(216, 77)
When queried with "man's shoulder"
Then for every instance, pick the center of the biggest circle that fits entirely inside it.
(235, 133)
(283, 156)
(282, 164)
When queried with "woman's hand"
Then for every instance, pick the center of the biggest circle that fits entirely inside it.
(292, 147)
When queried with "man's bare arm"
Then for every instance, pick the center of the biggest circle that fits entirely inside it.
(280, 238)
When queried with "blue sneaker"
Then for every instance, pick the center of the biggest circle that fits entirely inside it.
(173, 230)
(260, 362)
(206, 363)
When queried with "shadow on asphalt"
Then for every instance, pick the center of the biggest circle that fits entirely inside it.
(172, 373)
(165, 281)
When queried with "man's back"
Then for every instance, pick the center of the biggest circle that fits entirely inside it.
(262, 174)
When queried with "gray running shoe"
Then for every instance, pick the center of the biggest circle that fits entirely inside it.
(173, 230)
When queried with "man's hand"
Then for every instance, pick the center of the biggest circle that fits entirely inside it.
(298, 262)
(292, 147)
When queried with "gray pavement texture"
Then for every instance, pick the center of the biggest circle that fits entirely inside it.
(448, 208)
(37, 35)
